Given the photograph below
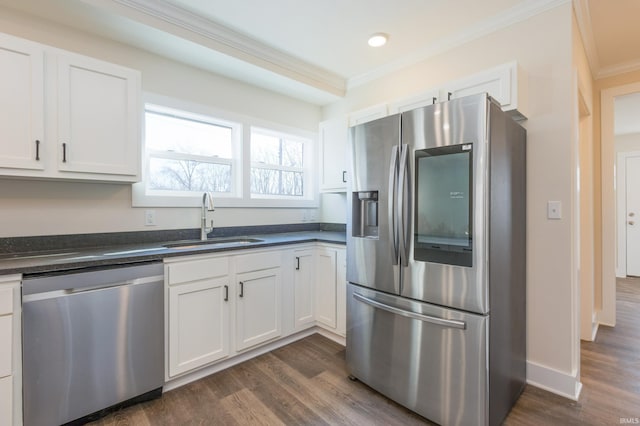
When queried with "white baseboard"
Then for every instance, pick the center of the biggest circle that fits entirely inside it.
(594, 330)
(341, 340)
(558, 382)
(222, 365)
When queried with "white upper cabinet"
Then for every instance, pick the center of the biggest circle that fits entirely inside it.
(333, 151)
(505, 83)
(67, 116)
(21, 104)
(98, 124)
(419, 100)
(368, 114)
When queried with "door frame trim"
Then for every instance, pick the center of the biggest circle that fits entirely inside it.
(621, 219)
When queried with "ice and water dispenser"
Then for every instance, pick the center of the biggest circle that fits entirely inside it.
(365, 214)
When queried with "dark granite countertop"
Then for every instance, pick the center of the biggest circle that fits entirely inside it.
(121, 254)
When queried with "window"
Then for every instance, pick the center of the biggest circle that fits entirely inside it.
(192, 148)
(278, 165)
(189, 153)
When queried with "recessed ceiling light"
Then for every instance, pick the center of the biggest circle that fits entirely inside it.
(378, 39)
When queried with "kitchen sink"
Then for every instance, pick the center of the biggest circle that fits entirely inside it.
(216, 242)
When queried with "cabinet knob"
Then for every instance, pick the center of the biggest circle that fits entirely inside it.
(632, 214)
(631, 222)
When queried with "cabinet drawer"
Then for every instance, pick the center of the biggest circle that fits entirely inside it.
(6, 343)
(194, 270)
(6, 301)
(6, 401)
(258, 261)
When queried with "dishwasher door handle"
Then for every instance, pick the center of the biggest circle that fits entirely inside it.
(74, 290)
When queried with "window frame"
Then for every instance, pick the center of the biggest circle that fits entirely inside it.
(241, 178)
(306, 169)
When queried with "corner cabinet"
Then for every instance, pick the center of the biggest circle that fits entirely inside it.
(331, 288)
(333, 152)
(67, 116)
(197, 305)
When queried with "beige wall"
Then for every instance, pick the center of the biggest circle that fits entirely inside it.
(47, 208)
(542, 46)
(589, 286)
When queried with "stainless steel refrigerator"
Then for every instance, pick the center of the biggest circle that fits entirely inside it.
(436, 311)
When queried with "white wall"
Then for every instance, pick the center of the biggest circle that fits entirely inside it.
(542, 46)
(50, 208)
(627, 143)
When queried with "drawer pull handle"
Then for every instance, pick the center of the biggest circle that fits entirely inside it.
(297, 263)
(226, 293)
(64, 152)
(241, 289)
(37, 150)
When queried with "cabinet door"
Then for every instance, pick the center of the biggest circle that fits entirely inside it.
(198, 324)
(333, 148)
(21, 104)
(341, 292)
(258, 316)
(98, 117)
(326, 287)
(6, 343)
(6, 401)
(303, 289)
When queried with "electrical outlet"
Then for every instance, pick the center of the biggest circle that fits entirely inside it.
(554, 210)
(312, 215)
(150, 217)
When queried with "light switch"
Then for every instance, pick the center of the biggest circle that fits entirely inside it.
(554, 210)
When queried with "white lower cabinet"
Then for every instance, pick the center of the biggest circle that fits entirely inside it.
(220, 306)
(326, 281)
(303, 289)
(198, 313)
(258, 298)
(331, 288)
(10, 351)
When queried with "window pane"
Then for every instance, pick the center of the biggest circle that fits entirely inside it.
(292, 153)
(276, 182)
(265, 149)
(188, 175)
(168, 133)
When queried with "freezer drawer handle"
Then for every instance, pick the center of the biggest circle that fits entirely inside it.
(426, 318)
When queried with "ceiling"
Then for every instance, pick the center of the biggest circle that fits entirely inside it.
(316, 50)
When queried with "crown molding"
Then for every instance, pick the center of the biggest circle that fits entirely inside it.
(168, 17)
(617, 69)
(583, 18)
(509, 17)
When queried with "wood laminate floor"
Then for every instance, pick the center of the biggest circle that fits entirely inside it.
(305, 383)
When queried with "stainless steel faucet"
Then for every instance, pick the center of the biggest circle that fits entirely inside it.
(207, 205)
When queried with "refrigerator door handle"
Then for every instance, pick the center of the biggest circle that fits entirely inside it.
(404, 205)
(393, 223)
(420, 317)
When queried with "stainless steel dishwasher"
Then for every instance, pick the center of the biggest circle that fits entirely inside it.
(92, 340)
